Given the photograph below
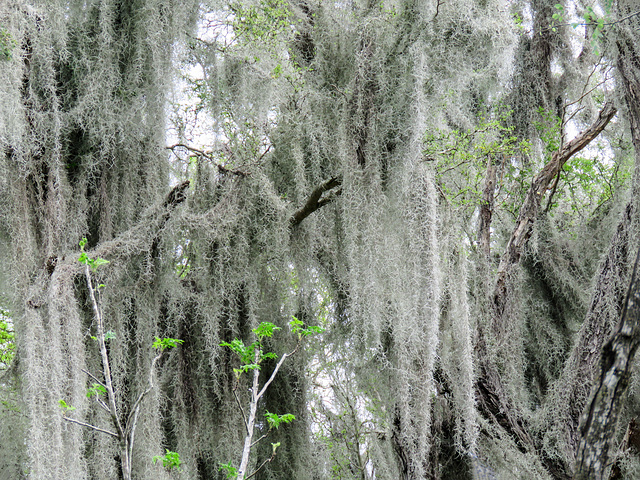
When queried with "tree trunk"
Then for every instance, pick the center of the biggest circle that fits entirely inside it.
(598, 427)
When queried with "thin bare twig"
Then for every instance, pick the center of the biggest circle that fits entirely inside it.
(275, 371)
(440, 2)
(103, 353)
(260, 439)
(268, 460)
(209, 156)
(94, 377)
(92, 427)
(136, 405)
(244, 416)
(103, 405)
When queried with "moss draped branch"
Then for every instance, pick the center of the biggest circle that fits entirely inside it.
(315, 200)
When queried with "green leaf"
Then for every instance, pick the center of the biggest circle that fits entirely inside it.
(297, 327)
(230, 471)
(274, 420)
(83, 258)
(169, 460)
(163, 343)
(95, 263)
(246, 368)
(265, 329)
(65, 406)
(97, 390)
(246, 353)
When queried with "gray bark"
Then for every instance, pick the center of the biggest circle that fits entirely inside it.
(597, 428)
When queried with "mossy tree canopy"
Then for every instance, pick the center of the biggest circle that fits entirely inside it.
(448, 188)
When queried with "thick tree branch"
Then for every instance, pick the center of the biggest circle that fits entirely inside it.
(598, 425)
(144, 236)
(630, 447)
(315, 200)
(177, 195)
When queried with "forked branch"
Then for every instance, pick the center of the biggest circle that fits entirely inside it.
(315, 200)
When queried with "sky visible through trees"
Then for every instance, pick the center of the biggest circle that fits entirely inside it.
(301, 239)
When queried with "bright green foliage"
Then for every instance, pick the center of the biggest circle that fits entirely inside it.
(585, 182)
(65, 406)
(94, 263)
(108, 335)
(590, 182)
(558, 16)
(261, 23)
(297, 327)
(230, 471)
(550, 131)
(246, 353)
(275, 420)
(7, 340)
(96, 390)
(170, 460)
(163, 343)
(461, 157)
(265, 329)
